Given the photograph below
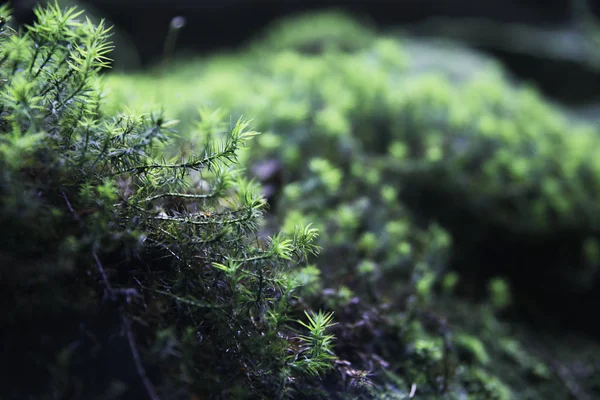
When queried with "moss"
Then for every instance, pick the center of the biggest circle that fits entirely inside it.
(488, 386)
(378, 162)
(361, 159)
(314, 33)
(426, 121)
(499, 292)
(471, 349)
(138, 262)
(514, 350)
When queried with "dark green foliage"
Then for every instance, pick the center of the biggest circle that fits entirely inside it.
(116, 256)
(143, 257)
(410, 161)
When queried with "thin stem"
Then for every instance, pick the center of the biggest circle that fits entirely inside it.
(75, 93)
(48, 57)
(129, 333)
(137, 359)
(102, 272)
(38, 46)
(207, 222)
(180, 195)
(70, 207)
(186, 301)
(267, 255)
(186, 165)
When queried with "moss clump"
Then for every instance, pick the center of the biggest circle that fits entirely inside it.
(502, 149)
(129, 270)
(386, 168)
(316, 33)
(407, 172)
(515, 173)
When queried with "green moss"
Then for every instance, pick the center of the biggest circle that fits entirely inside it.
(450, 281)
(353, 150)
(499, 292)
(486, 386)
(332, 30)
(119, 233)
(487, 141)
(514, 350)
(472, 349)
(356, 151)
